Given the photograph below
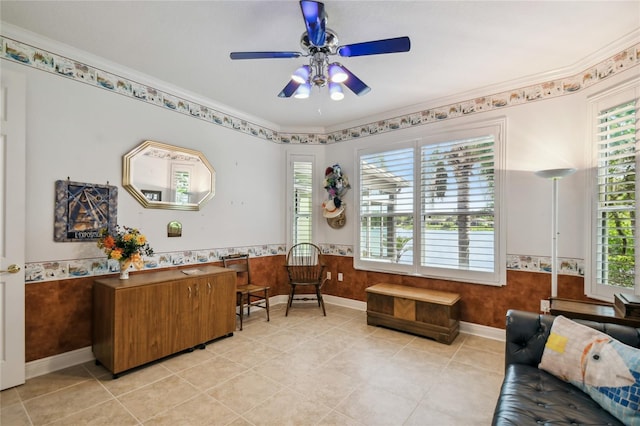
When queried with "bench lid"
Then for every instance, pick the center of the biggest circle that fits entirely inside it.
(415, 293)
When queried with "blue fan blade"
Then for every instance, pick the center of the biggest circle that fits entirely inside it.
(289, 89)
(356, 85)
(315, 19)
(264, 55)
(390, 45)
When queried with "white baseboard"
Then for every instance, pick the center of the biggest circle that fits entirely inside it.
(483, 331)
(347, 303)
(58, 362)
(53, 363)
(330, 300)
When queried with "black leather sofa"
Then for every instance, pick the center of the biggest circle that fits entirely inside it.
(530, 396)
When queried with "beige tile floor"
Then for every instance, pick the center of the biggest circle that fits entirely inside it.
(304, 369)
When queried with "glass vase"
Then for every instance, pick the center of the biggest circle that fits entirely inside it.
(124, 269)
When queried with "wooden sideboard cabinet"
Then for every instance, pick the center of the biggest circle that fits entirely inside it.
(156, 314)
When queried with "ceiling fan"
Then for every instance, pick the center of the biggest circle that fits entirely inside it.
(318, 43)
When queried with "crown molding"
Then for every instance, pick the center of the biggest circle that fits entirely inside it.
(39, 52)
(577, 67)
(72, 53)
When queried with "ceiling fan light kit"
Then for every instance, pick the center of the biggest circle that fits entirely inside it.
(335, 91)
(303, 91)
(301, 75)
(318, 43)
(337, 74)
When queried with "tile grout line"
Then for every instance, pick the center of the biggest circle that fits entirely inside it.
(339, 336)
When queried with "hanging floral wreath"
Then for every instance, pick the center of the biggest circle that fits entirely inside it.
(336, 184)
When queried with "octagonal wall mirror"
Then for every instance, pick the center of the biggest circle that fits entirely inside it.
(162, 176)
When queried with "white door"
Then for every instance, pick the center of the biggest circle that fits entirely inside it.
(12, 228)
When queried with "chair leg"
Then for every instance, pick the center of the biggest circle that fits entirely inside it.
(239, 297)
(320, 300)
(291, 293)
(266, 301)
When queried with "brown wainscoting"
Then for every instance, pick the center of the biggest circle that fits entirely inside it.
(57, 317)
(58, 313)
(480, 304)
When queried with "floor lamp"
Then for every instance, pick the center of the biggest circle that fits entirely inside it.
(555, 175)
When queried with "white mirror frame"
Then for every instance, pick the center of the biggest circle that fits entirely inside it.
(128, 180)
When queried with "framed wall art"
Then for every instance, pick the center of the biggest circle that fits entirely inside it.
(83, 209)
(152, 195)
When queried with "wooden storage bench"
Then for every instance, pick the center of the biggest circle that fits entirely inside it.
(420, 311)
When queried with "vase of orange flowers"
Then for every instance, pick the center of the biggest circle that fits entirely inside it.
(126, 245)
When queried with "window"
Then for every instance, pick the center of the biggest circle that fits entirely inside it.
(301, 184)
(458, 221)
(431, 207)
(181, 183)
(386, 206)
(615, 132)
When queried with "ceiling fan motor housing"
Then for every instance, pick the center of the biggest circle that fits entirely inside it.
(330, 46)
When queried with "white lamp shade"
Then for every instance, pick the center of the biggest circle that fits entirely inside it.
(301, 75)
(303, 91)
(555, 173)
(335, 91)
(337, 74)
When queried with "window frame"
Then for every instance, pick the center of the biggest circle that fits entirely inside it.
(445, 133)
(597, 103)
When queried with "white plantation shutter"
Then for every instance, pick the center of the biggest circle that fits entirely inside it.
(302, 202)
(431, 207)
(387, 206)
(457, 192)
(616, 131)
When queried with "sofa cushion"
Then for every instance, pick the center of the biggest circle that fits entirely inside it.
(527, 334)
(604, 368)
(533, 396)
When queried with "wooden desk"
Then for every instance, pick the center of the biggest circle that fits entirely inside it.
(428, 313)
(593, 311)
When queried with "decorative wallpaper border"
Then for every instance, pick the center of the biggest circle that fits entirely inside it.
(41, 59)
(568, 266)
(80, 268)
(28, 55)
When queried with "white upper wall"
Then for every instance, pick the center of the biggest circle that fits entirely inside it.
(540, 135)
(77, 131)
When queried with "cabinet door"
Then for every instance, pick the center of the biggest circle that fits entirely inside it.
(184, 314)
(217, 309)
(224, 304)
(141, 325)
(207, 319)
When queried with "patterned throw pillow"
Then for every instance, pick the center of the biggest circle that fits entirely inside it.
(607, 370)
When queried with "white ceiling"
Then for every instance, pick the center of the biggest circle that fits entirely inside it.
(457, 47)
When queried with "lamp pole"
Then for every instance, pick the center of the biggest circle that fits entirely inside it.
(555, 175)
